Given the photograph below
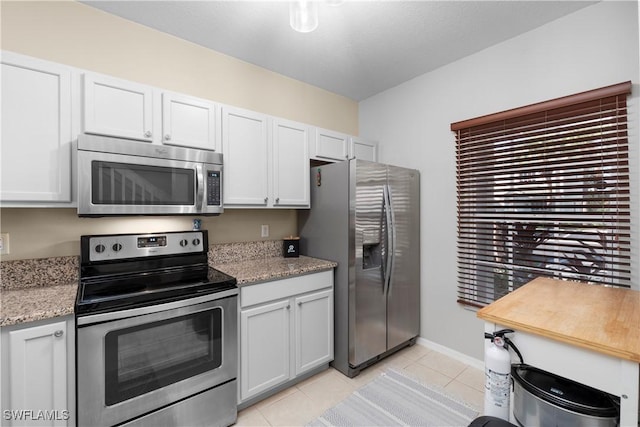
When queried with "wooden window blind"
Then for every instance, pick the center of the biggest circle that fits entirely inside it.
(543, 190)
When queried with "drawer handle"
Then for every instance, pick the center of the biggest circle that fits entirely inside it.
(58, 333)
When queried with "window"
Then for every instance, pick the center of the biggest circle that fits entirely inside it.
(543, 190)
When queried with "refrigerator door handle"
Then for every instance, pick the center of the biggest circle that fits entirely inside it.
(388, 240)
(392, 233)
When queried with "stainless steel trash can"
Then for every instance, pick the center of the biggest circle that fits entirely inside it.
(544, 399)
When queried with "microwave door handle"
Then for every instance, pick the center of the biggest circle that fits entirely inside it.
(199, 187)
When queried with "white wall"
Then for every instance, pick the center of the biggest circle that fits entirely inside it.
(594, 47)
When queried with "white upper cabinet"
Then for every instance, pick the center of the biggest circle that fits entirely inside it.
(190, 122)
(116, 107)
(36, 130)
(266, 161)
(363, 149)
(290, 164)
(46, 105)
(245, 144)
(125, 109)
(328, 145)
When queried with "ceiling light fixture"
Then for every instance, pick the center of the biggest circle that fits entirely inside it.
(303, 15)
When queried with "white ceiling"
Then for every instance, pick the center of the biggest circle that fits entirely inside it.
(360, 47)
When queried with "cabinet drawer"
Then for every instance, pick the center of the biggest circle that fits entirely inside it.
(284, 288)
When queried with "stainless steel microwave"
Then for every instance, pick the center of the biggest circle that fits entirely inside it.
(122, 177)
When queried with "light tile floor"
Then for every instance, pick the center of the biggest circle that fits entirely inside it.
(304, 402)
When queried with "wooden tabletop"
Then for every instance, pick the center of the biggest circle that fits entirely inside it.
(603, 319)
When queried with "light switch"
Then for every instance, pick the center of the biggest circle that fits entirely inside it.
(265, 230)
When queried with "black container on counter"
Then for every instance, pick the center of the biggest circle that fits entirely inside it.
(291, 247)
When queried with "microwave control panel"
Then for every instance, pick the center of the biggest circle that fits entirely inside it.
(214, 188)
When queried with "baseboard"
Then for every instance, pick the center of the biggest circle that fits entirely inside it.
(468, 360)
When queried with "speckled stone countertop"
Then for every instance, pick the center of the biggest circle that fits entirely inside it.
(37, 289)
(265, 269)
(36, 303)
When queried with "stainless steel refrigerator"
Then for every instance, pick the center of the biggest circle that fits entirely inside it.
(366, 217)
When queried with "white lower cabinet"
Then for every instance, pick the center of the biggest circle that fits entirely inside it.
(38, 371)
(265, 343)
(313, 341)
(286, 330)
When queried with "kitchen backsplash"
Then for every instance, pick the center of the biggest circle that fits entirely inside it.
(64, 270)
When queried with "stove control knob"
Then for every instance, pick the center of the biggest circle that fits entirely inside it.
(184, 242)
(100, 248)
(196, 242)
(116, 247)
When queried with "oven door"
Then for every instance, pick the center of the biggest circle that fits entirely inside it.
(133, 362)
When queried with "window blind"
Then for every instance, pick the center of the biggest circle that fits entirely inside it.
(543, 190)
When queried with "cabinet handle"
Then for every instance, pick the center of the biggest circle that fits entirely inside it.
(277, 200)
(300, 303)
(167, 137)
(147, 134)
(266, 199)
(288, 307)
(58, 333)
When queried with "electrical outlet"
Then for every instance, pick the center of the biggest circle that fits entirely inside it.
(265, 230)
(4, 244)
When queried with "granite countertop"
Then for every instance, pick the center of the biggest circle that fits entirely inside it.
(46, 288)
(36, 303)
(261, 270)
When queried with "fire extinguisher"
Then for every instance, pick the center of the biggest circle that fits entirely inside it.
(497, 370)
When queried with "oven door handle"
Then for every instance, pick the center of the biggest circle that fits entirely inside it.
(132, 312)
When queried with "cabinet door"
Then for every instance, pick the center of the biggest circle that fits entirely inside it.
(290, 164)
(38, 371)
(313, 330)
(190, 122)
(36, 130)
(117, 108)
(363, 149)
(329, 145)
(265, 336)
(245, 143)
